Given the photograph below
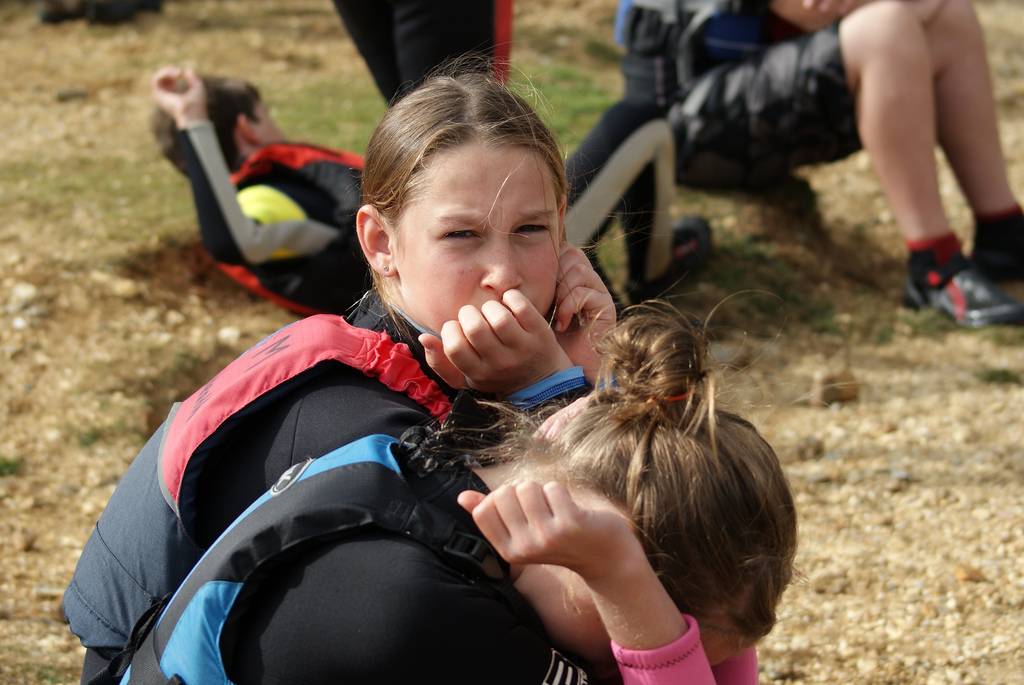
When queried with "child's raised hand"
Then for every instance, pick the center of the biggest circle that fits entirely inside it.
(499, 348)
(584, 310)
(530, 523)
(554, 424)
(180, 93)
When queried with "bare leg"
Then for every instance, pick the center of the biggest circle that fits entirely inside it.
(919, 73)
(889, 69)
(921, 76)
(967, 128)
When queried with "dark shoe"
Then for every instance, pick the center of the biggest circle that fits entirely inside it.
(110, 11)
(999, 265)
(55, 11)
(691, 249)
(960, 291)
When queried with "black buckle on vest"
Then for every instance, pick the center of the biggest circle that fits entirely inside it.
(474, 551)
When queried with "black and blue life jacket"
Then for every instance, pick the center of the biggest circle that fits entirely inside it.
(143, 545)
(354, 489)
(697, 34)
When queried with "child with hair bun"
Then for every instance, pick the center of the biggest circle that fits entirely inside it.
(707, 508)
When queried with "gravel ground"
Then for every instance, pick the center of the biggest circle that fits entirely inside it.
(911, 498)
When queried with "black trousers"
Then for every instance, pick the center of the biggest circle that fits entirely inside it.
(402, 41)
(635, 210)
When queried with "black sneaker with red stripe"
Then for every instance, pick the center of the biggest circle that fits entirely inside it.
(691, 249)
(959, 290)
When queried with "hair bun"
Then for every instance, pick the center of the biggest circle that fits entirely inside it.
(654, 356)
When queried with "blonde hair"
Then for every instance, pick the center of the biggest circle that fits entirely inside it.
(706, 493)
(447, 111)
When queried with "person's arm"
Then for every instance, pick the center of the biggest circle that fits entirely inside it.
(559, 385)
(530, 523)
(683, 663)
(228, 233)
(680, 662)
(738, 670)
(223, 224)
(811, 15)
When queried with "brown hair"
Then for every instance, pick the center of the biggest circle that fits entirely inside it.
(447, 111)
(705, 491)
(226, 98)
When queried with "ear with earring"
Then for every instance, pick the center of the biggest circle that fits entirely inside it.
(387, 269)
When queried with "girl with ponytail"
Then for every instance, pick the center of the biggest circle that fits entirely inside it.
(661, 513)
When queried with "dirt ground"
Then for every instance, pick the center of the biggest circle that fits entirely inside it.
(911, 499)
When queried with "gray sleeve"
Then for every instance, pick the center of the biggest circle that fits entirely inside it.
(652, 143)
(255, 241)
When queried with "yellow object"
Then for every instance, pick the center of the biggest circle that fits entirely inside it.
(268, 205)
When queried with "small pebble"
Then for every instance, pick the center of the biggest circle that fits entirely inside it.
(969, 574)
(834, 388)
(69, 94)
(22, 295)
(229, 336)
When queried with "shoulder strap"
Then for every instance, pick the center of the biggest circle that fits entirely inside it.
(698, 11)
(266, 370)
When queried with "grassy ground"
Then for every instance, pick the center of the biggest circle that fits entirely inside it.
(910, 499)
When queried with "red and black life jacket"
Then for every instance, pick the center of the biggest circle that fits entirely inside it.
(142, 547)
(312, 284)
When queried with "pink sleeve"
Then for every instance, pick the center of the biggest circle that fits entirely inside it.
(678, 663)
(738, 670)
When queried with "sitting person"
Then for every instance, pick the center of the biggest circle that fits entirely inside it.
(756, 88)
(475, 291)
(617, 170)
(625, 168)
(651, 517)
(283, 223)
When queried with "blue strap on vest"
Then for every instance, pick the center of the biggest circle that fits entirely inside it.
(695, 34)
(731, 37)
(348, 490)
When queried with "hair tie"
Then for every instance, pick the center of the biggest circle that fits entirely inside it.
(677, 398)
(669, 398)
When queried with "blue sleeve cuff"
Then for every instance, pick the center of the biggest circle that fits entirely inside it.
(553, 386)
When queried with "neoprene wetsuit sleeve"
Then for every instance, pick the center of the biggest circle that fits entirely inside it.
(739, 670)
(681, 661)
(558, 385)
(229, 235)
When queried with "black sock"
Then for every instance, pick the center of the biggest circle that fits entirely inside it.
(1002, 232)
